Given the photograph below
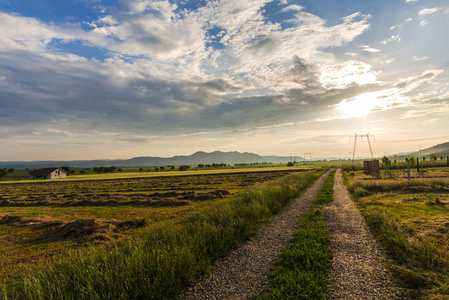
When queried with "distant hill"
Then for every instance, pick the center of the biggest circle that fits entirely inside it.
(438, 150)
(194, 159)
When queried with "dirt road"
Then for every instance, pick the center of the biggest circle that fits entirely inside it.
(358, 270)
(244, 273)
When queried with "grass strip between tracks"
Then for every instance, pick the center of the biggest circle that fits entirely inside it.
(302, 271)
(161, 263)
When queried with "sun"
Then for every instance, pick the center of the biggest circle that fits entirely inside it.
(358, 106)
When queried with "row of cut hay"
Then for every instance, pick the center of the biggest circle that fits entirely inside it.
(161, 263)
(366, 187)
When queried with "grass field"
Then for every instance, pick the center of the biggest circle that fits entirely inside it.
(40, 222)
(410, 219)
(133, 173)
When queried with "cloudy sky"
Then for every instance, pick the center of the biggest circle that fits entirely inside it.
(86, 79)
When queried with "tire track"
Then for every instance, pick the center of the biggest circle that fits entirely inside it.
(243, 274)
(358, 271)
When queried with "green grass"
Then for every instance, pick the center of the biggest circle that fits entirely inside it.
(161, 262)
(410, 220)
(302, 270)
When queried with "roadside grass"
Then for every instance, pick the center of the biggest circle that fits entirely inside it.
(301, 272)
(160, 262)
(411, 222)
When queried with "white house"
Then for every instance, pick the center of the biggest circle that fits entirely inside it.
(48, 173)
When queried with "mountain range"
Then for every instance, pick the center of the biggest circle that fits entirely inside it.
(200, 157)
(147, 161)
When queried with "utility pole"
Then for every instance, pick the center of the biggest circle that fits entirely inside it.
(355, 145)
(309, 154)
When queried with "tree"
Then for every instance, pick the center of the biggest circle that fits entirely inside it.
(412, 161)
(386, 162)
(290, 164)
(433, 157)
(3, 173)
(10, 170)
(82, 172)
(69, 170)
(184, 168)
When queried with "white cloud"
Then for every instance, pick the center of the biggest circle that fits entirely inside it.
(408, 1)
(394, 38)
(428, 11)
(387, 62)
(342, 75)
(367, 48)
(292, 8)
(419, 58)
(408, 20)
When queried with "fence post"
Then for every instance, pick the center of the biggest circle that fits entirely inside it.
(408, 168)
(417, 164)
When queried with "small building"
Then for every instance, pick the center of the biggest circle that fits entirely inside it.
(371, 167)
(48, 173)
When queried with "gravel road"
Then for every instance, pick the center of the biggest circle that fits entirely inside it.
(243, 273)
(358, 270)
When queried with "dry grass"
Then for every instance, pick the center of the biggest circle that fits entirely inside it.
(365, 186)
(159, 262)
(410, 219)
(42, 221)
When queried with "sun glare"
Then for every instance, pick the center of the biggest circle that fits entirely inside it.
(359, 106)
(365, 104)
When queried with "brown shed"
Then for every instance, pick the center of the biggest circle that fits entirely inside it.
(371, 167)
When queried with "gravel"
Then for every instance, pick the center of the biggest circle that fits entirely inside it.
(243, 274)
(358, 271)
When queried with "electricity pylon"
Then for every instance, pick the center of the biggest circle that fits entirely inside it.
(307, 154)
(355, 144)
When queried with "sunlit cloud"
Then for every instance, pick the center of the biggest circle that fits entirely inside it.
(370, 49)
(367, 103)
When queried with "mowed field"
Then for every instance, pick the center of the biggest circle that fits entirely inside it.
(410, 220)
(42, 221)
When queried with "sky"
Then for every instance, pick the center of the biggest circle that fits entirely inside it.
(98, 79)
